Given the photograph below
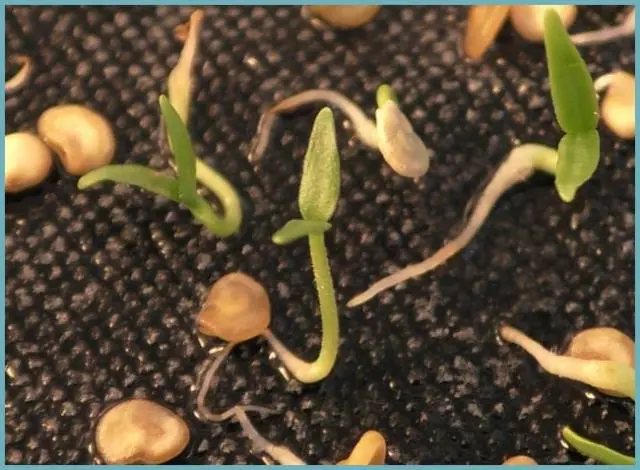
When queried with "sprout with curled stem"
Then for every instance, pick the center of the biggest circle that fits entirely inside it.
(626, 28)
(341, 16)
(618, 107)
(317, 199)
(528, 20)
(183, 188)
(576, 108)
(391, 133)
(22, 76)
(520, 164)
(599, 357)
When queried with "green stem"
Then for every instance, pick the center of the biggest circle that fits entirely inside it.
(231, 219)
(328, 308)
(595, 451)
(310, 372)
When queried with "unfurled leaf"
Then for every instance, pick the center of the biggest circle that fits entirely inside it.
(572, 91)
(320, 184)
(593, 450)
(182, 150)
(136, 175)
(298, 228)
(578, 157)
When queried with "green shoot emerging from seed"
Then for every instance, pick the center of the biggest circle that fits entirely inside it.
(576, 108)
(593, 450)
(391, 133)
(593, 358)
(317, 200)
(519, 165)
(183, 188)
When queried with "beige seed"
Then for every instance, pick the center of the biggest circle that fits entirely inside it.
(528, 20)
(237, 309)
(618, 107)
(344, 16)
(82, 138)
(140, 431)
(27, 161)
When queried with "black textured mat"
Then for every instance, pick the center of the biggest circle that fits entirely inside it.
(102, 286)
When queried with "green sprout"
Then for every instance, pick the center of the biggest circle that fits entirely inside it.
(181, 189)
(317, 200)
(593, 450)
(576, 108)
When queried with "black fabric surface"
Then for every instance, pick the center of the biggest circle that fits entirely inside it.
(102, 286)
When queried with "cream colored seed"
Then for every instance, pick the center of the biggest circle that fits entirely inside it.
(528, 20)
(140, 431)
(27, 161)
(237, 309)
(618, 107)
(82, 138)
(344, 16)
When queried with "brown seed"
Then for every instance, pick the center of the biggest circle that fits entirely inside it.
(483, 25)
(604, 344)
(140, 431)
(237, 309)
(344, 16)
(520, 460)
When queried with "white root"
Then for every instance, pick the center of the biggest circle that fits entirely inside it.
(208, 383)
(281, 454)
(611, 33)
(22, 77)
(607, 375)
(364, 127)
(518, 167)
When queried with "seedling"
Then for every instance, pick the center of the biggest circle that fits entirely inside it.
(391, 133)
(576, 108)
(519, 165)
(594, 358)
(238, 307)
(183, 188)
(317, 200)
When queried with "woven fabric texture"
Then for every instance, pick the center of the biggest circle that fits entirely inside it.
(103, 285)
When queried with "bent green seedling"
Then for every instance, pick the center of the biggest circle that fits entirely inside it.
(612, 376)
(317, 200)
(183, 188)
(391, 133)
(576, 107)
(593, 450)
(519, 165)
